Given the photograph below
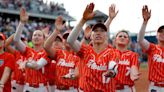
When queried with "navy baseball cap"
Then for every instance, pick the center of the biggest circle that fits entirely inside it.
(99, 25)
(160, 28)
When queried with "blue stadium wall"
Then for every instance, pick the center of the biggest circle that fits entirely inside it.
(149, 38)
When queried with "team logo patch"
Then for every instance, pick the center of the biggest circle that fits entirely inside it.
(1, 62)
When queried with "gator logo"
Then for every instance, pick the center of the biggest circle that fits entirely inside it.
(1, 62)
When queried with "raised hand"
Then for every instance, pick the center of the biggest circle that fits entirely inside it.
(88, 13)
(134, 74)
(112, 11)
(1, 89)
(146, 13)
(46, 31)
(59, 23)
(23, 15)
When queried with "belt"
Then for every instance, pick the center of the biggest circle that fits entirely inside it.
(120, 87)
(18, 82)
(63, 87)
(159, 84)
(36, 85)
(51, 83)
(90, 90)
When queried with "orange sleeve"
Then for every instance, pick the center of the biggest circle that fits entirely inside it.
(83, 50)
(27, 52)
(10, 61)
(150, 49)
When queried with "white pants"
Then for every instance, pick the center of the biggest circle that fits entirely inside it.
(41, 88)
(153, 88)
(51, 88)
(15, 87)
(72, 89)
(80, 90)
(127, 89)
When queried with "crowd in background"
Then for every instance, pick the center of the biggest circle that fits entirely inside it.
(8, 26)
(34, 6)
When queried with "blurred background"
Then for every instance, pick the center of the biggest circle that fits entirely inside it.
(42, 15)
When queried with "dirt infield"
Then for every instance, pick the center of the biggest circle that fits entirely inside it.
(142, 83)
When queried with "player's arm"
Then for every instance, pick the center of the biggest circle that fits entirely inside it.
(112, 15)
(76, 72)
(36, 65)
(146, 16)
(48, 43)
(134, 71)
(6, 75)
(9, 67)
(17, 38)
(72, 38)
(87, 34)
(9, 48)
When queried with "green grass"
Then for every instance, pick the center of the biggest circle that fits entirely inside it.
(144, 65)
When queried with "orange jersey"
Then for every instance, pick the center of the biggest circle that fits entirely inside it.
(6, 60)
(156, 63)
(126, 60)
(51, 72)
(66, 63)
(80, 67)
(95, 65)
(18, 74)
(35, 76)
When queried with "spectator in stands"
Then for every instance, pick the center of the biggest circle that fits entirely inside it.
(35, 6)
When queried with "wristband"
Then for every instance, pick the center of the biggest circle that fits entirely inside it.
(1, 85)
